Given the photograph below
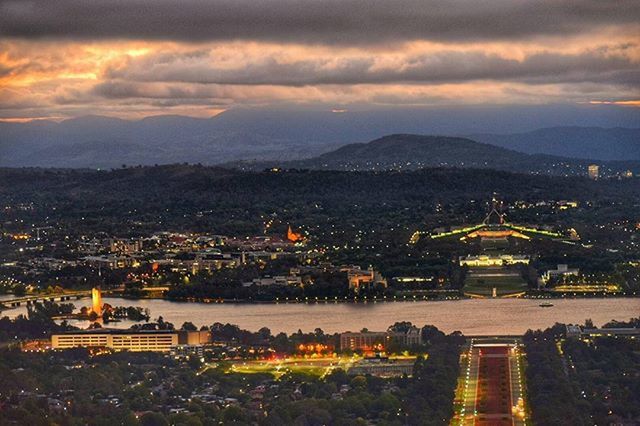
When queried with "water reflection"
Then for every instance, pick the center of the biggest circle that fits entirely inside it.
(472, 317)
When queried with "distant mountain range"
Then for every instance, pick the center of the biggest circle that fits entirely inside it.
(259, 135)
(410, 152)
(575, 142)
(103, 142)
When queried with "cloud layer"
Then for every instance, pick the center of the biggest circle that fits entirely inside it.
(605, 65)
(198, 57)
(311, 21)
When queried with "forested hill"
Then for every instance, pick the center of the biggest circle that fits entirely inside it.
(405, 151)
(213, 198)
(410, 152)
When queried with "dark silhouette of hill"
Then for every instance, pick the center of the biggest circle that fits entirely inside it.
(409, 152)
(293, 134)
(180, 189)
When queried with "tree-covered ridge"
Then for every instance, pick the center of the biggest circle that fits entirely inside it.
(169, 191)
(411, 152)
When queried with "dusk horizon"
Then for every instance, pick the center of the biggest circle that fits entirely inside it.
(198, 58)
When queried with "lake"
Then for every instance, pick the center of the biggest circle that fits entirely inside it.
(471, 316)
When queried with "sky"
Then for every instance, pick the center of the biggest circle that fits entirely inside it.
(137, 58)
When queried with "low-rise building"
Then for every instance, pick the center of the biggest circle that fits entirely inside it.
(360, 279)
(383, 367)
(293, 280)
(490, 260)
(611, 332)
(579, 332)
(111, 261)
(561, 271)
(185, 351)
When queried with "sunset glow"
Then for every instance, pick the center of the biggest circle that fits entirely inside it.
(59, 70)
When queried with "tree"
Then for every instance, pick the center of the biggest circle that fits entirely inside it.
(153, 419)
(359, 382)
(233, 414)
(189, 326)
(400, 327)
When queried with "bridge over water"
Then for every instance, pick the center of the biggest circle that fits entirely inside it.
(72, 295)
(59, 297)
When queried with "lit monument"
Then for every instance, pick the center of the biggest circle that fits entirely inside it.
(96, 301)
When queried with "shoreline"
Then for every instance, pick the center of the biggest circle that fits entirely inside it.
(471, 316)
(328, 300)
(374, 300)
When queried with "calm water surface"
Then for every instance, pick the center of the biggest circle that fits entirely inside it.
(471, 316)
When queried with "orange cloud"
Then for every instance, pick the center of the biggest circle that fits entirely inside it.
(633, 103)
(138, 78)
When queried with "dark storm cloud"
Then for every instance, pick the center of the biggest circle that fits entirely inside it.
(599, 65)
(5, 70)
(310, 21)
(123, 90)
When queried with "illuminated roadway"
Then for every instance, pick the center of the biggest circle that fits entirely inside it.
(467, 411)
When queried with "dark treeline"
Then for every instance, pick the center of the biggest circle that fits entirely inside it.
(171, 192)
(607, 370)
(585, 381)
(37, 324)
(141, 388)
(227, 285)
(551, 395)
(429, 397)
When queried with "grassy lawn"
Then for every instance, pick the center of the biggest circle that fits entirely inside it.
(504, 284)
(316, 367)
(313, 366)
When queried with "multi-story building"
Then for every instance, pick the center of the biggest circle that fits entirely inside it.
(121, 245)
(412, 337)
(593, 171)
(194, 338)
(379, 340)
(214, 260)
(365, 340)
(130, 340)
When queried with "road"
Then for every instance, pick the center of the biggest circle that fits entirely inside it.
(488, 364)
